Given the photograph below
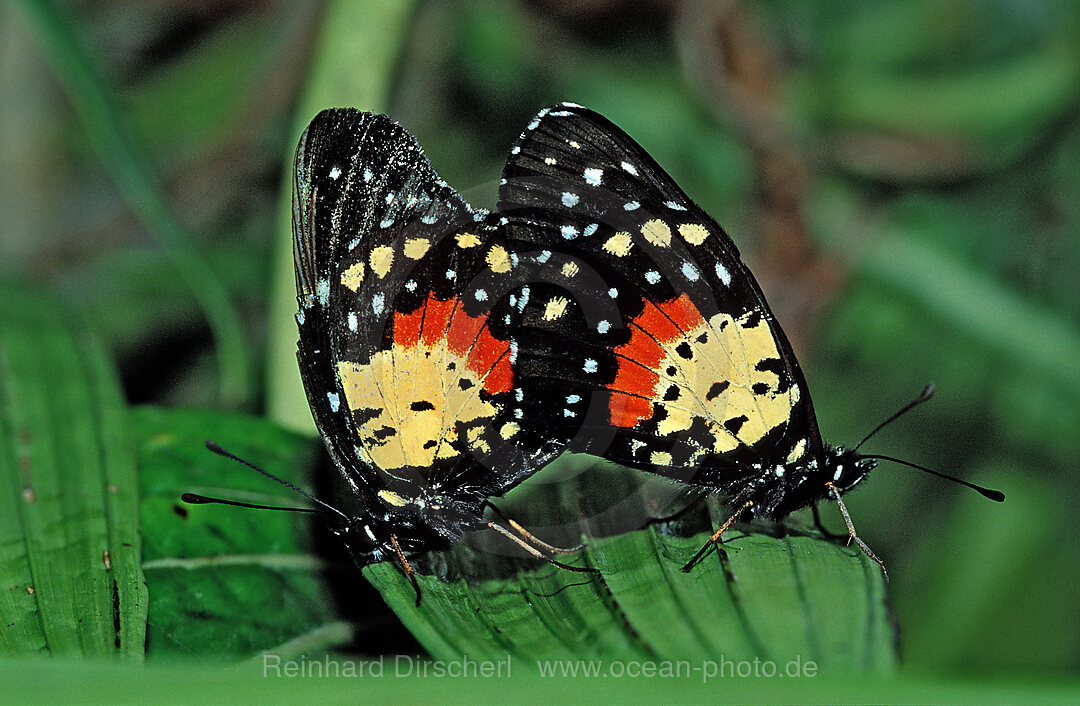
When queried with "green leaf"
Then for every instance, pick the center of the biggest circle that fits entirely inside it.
(785, 598)
(69, 563)
(227, 583)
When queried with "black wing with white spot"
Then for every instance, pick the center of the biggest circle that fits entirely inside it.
(404, 351)
(643, 327)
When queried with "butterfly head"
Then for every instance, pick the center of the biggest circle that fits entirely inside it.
(845, 468)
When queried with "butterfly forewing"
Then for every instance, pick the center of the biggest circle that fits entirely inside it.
(693, 377)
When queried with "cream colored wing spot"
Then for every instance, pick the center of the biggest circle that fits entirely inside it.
(381, 260)
(416, 248)
(498, 259)
(392, 498)
(555, 308)
(467, 240)
(657, 232)
(619, 244)
(353, 277)
(693, 233)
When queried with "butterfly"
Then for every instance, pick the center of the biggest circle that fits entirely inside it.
(645, 338)
(405, 349)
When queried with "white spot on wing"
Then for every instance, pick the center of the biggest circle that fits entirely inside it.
(723, 274)
(377, 303)
(569, 200)
(652, 276)
(631, 206)
(593, 176)
(335, 401)
(335, 173)
(569, 232)
(590, 366)
(690, 272)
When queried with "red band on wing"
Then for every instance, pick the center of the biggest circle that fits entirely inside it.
(637, 377)
(465, 336)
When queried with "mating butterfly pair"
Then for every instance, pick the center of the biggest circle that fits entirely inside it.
(448, 352)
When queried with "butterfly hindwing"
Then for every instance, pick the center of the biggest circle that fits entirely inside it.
(692, 374)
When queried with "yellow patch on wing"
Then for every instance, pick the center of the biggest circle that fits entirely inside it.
(477, 442)
(657, 232)
(353, 277)
(619, 244)
(498, 259)
(569, 269)
(797, 452)
(509, 429)
(400, 433)
(467, 240)
(555, 308)
(415, 248)
(392, 498)
(381, 260)
(730, 354)
(693, 233)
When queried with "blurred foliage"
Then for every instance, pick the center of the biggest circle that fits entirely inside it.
(901, 177)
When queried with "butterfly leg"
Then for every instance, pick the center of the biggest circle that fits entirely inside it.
(716, 536)
(832, 536)
(407, 567)
(851, 529)
(679, 513)
(530, 537)
(536, 552)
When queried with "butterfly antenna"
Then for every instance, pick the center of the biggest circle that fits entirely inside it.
(196, 499)
(986, 492)
(926, 394)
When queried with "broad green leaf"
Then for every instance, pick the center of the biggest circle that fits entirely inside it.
(225, 582)
(69, 559)
(779, 598)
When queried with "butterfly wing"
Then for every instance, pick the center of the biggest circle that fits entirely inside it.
(644, 326)
(405, 356)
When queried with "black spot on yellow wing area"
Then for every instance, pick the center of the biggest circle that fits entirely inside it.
(726, 379)
(409, 408)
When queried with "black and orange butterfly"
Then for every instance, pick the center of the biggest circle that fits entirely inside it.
(405, 349)
(645, 338)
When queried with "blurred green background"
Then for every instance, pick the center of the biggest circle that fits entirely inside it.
(901, 176)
